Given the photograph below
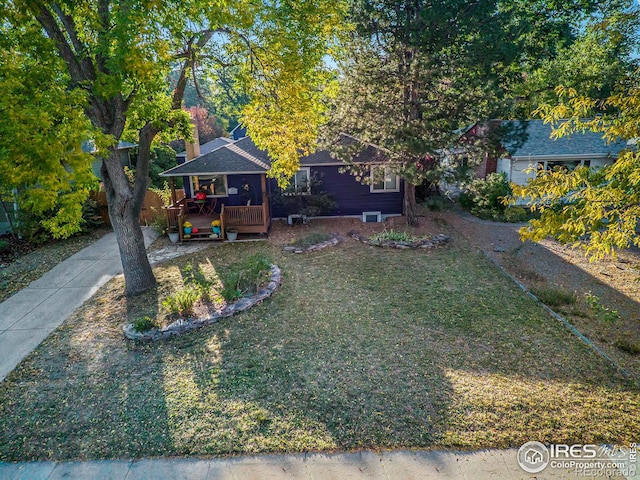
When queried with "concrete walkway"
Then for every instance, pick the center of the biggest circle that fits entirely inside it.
(29, 316)
(32, 314)
(395, 465)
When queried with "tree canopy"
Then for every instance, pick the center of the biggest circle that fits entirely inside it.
(111, 63)
(415, 72)
(42, 130)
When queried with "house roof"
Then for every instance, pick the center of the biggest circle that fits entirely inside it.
(532, 138)
(242, 156)
(209, 146)
(237, 157)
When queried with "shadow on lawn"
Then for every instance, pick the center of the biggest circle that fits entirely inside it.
(86, 394)
(361, 361)
(360, 347)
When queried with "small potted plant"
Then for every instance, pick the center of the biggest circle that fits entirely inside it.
(232, 234)
(215, 227)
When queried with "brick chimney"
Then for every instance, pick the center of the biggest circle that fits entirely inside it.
(193, 149)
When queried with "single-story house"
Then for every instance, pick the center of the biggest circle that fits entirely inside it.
(231, 178)
(531, 149)
(520, 148)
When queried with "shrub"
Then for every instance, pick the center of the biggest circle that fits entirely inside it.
(485, 198)
(183, 300)
(515, 215)
(91, 218)
(628, 347)
(159, 222)
(144, 324)
(601, 312)
(434, 203)
(230, 286)
(555, 296)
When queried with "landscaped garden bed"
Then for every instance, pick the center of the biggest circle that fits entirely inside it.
(359, 348)
(147, 329)
(401, 240)
(312, 242)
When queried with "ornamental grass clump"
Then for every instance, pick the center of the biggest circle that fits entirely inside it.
(245, 278)
(183, 300)
(393, 236)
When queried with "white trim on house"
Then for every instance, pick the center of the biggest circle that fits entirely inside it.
(226, 184)
(586, 156)
(387, 172)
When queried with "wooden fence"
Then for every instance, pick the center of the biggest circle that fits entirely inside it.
(151, 208)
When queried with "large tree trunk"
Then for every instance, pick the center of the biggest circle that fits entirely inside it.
(409, 207)
(124, 212)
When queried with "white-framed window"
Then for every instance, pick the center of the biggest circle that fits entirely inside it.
(383, 180)
(566, 165)
(212, 185)
(300, 183)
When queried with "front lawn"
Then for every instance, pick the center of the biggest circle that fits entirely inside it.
(360, 347)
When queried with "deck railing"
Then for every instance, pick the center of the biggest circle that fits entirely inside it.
(175, 216)
(243, 216)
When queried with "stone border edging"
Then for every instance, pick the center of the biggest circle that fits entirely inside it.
(312, 248)
(440, 239)
(181, 325)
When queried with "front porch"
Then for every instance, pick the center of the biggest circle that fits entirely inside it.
(248, 220)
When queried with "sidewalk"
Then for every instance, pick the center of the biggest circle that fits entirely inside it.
(394, 465)
(29, 316)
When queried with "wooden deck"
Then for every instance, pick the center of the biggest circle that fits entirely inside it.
(253, 219)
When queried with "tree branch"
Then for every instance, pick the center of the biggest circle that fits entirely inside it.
(48, 22)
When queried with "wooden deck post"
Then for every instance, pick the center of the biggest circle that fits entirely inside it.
(265, 201)
(174, 198)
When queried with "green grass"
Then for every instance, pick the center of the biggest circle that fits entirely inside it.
(359, 348)
(555, 296)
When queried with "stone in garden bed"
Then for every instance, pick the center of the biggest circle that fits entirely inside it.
(312, 248)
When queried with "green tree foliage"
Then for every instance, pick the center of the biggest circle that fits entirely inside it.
(42, 129)
(596, 209)
(416, 71)
(600, 56)
(110, 62)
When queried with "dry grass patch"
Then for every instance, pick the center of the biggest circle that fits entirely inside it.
(360, 348)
